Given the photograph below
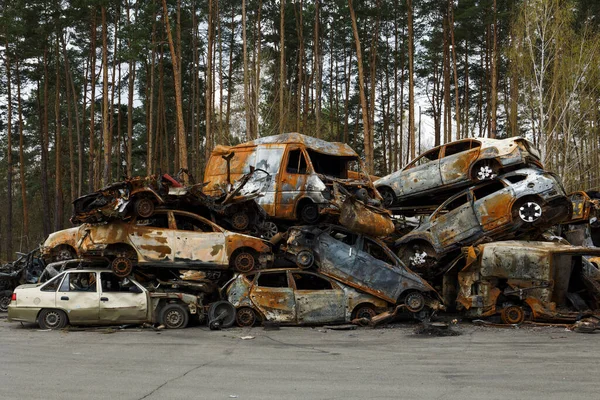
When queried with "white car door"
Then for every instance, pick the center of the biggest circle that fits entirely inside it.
(78, 296)
(197, 242)
(122, 300)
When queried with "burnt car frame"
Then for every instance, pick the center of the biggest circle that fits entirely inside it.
(436, 174)
(514, 203)
(168, 238)
(544, 281)
(301, 173)
(362, 262)
(298, 297)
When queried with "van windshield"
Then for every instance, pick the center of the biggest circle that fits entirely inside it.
(330, 165)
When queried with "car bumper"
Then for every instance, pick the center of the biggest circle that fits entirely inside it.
(22, 314)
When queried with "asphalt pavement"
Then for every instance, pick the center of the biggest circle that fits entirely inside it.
(298, 363)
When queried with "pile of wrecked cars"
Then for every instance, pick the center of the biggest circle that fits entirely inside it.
(290, 229)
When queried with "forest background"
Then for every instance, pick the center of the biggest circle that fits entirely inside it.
(95, 90)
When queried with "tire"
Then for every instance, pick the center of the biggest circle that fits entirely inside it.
(174, 316)
(5, 297)
(269, 229)
(122, 266)
(484, 171)
(418, 255)
(527, 210)
(52, 319)
(223, 309)
(243, 261)
(364, 311)
(245, 317)
(144, 207)
(240, 221)
(308, 213)
(389, 198)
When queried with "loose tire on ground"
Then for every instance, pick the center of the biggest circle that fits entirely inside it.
(222, 312)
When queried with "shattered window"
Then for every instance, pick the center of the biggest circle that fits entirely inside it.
(327, 164)
(79, 282)
(457, 202)
(296, 162)
(274, 280)
(425, 158)
(185, 223)
(52, 284)
(112, 283)
(156, 221)
(377, 252)
(515, 178)
(311, 282)
(456, 148)
(343, 236)
(486, 190)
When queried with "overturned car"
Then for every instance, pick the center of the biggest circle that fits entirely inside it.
(361, 262)
(543, 281)
(515, 203)
(299, 180)
(436, 174)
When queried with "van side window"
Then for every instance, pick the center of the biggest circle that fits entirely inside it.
(296, 162)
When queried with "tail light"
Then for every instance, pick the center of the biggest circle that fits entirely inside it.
(14, 297)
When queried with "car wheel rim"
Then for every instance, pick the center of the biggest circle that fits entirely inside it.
(269, 230)
(244, 262)
(513, 315)
(415, 302)
(419, 258)
(4, 302)
(173, 319)
(365, 312)
(388, 198)
(63, 255)
(122, 266)
(530, 212)
(310, 213)
(245, 317)
(144, 208)
(485, 172)
(240, 221)
(52, 319)
(304, 259)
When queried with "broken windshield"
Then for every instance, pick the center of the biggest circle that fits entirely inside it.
(335, 166)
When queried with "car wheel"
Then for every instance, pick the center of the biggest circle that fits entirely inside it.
(122, 266)
(364, 311)
(305, 259)
(5, 297)
(388, 196)
(62, 253)
(144, 207)
(244, 261)
(418, 255)
(512, 315)
(269, 229)
(527, 210)
(221, 314)
(414, 301)
(52, 319)
(245, 316)
(174, 316)
(309, 213)
(485, 170)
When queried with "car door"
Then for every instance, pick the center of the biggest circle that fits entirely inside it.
(457, 159)
(292, 181)
(318, 300)
(196, 242)
(274, 297)
(422, 174)
(492, 204)
(121, 300)
(78, 295)
(375, 271)
(455, 220)
(336, 250)
(150, 237)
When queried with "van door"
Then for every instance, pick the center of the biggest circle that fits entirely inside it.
(292, 182)
(268, 159)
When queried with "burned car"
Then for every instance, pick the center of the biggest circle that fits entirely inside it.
(299, 179)
(98, 297)
(515, 203)
(541, 280)
(140, 196)
(298, 297)
(436, 174)
(27, 268)
(361, 262)
(583, 228)
(168, 238)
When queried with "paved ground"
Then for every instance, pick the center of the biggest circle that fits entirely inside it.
(298, 363)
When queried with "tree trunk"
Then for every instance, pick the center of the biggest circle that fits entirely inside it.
(494, 74)
(22, 160)
(105, 106)
(317, 72)
(455, 68)
(249, 133)
(411, 81)
(45, 142)
(209, 84)
(92, 156)
(58, 204)
(368, 140)
(182, 150)
(9, 167)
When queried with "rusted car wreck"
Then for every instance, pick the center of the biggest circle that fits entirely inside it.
(304, 179)
(543, 281)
